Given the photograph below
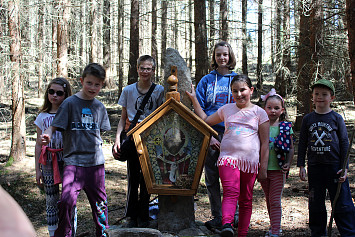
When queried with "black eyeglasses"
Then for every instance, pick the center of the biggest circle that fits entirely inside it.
(145, 69)
(59, 93)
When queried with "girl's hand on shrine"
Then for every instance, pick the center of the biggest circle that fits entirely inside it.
(192, 94)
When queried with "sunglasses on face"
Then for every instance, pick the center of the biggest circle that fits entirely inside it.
(52, 92)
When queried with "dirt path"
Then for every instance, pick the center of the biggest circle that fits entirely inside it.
(19, 181)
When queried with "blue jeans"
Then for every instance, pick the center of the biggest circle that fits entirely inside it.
(322, 178)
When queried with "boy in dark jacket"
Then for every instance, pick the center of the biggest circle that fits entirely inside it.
(324, 139)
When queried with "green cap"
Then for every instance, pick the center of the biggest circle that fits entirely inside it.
(326, 83)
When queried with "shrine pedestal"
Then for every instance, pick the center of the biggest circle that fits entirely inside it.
(176, 213)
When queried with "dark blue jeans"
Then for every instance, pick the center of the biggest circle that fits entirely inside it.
(320, 179)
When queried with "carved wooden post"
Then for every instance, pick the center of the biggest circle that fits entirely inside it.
(173, 82)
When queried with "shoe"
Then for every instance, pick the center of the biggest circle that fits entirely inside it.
(236, 221)
(269, 234)
(227, 230)
(143, 224)
(215, 223)
(132, 223)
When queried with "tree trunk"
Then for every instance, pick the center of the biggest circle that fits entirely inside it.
(272, 41)
(245, 38)
(107, 43)
(93, 57)
(62, 38)
(223, 12)
(279, 83)
(164, 18)
(304, 68)
(18, 141)
(212, 28)
(134, 42)
(286, 57)
(200, 40)
(120, 24)
(175, 25)
(2, 34)
(154, 50)
(350, 16)
(83, 36)
(40, 51)
(259, 67)
(316, 38)
(190, 34)
(54, 39)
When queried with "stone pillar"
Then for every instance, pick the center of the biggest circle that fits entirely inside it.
(176, 213)
(173, 58)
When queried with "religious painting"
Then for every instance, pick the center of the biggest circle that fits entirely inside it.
(172, 144)
(173, 147)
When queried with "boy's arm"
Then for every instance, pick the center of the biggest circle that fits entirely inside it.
(264, 149)
(344, 146)
(120, 128)
(47, 135)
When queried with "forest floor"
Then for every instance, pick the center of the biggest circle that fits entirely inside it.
(19, 180)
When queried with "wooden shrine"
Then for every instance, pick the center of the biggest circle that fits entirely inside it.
(172, 143)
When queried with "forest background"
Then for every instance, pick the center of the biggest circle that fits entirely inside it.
(285, 44)
(293, 42)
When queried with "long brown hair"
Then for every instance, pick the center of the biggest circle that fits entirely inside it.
(232, 61)
(47, 105)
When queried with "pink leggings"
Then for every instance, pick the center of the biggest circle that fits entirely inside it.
(237, 187)
(273, 187)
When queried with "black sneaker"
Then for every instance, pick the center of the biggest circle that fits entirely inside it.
(132, 223)
(143, 224)
(227, 230)
(215, 223)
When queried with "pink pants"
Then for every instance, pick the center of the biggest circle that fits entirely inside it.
(237, 187)
(273, 187)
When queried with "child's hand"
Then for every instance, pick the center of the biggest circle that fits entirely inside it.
(215, 144)
(343, 178)
(262, 174)
(39, 179)
(286, 167)
(116, 152)
(302, 173)
(192, 94)
(45, 139)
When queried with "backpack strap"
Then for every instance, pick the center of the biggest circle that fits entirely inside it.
(141, 107)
